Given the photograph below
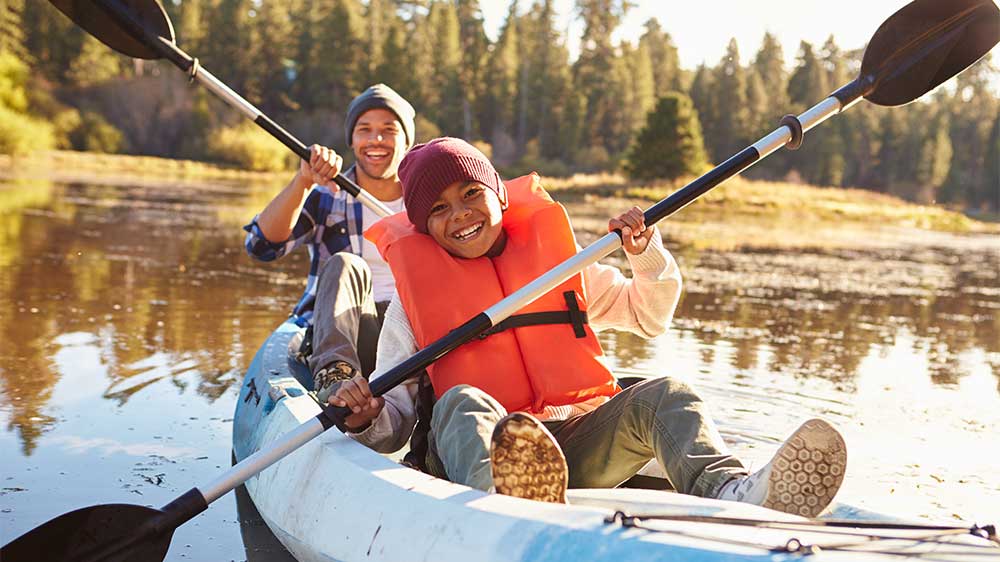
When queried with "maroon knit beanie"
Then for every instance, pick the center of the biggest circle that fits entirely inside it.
(427, 169)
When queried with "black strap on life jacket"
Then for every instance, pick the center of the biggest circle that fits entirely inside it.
(574, 316)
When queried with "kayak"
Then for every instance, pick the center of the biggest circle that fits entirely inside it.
(335, 499)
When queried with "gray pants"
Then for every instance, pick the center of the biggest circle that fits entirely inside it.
(660, 418)
(346, 319)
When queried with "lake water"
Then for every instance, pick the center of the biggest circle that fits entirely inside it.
(128, 314)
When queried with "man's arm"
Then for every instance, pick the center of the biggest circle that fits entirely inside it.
(278, 218)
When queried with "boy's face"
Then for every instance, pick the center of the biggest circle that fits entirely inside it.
(379, 143)
(466, 220)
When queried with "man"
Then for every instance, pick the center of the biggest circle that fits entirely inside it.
(349, 284)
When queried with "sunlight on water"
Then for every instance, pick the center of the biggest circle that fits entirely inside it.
(127, 317)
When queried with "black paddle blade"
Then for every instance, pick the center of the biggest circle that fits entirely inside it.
(925, 43)
(149, 14)
(101, 532)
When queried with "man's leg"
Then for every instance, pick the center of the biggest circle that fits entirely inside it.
(344, 320)
(661, 418)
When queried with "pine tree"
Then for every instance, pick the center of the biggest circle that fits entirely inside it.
(889, 170)
(972, 107)
(547, 80)
(96, 63)
(829, 157)
(767, 99)
(377, 22)
(228, 50)
(445, 101)
(992, 199)
(934, 159)
(572, 126)
(11, 30)
(471, 73)
(337, 58)
(808, 83)
(420, 45)
(670, 144)
(663, 56)
(769, 64)
(806, 87)
(306, 14)
(860, 133)
(639, 96)
(273, 54)
(597, 72)
(395, 68)
(759, 111)
(703, 98)
(731, 125)
(51, 38)
(498, 113)
(190, 23)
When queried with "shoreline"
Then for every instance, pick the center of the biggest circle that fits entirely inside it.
(741, 214)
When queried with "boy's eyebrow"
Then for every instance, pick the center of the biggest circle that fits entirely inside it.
(463, 185)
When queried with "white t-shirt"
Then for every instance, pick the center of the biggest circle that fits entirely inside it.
(382, 283)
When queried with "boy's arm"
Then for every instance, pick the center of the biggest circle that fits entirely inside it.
(392, 428)
(644, 304)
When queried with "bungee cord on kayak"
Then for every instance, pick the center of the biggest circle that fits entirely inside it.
(935, 533)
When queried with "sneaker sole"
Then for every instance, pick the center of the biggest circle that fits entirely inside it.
(808, 470)
(526, 460)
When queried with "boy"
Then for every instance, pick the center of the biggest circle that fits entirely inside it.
(467, 239)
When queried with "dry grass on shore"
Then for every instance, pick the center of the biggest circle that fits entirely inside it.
(752, 213)
(81, 166)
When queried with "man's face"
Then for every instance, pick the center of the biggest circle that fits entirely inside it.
(379, 143)
(466, 220)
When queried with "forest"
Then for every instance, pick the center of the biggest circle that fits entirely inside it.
(617, 106)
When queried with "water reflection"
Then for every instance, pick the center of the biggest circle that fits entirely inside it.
(158, 286)
(259, 543)
(823, 314)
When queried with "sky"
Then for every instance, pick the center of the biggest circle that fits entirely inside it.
(701, 29)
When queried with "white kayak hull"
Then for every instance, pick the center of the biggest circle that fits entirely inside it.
(335, 499)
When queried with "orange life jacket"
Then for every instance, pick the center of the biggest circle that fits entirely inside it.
(525, 368)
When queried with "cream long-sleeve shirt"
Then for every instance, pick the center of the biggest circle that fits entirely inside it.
(642, 305)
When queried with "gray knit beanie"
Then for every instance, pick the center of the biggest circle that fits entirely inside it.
(380, 96)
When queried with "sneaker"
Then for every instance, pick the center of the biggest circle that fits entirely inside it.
(526, 460)
(325, 380)
(802, 477)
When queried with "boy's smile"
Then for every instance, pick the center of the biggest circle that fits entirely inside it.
(466, 220)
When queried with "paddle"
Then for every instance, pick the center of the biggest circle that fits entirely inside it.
(919, 47)
(142, 29)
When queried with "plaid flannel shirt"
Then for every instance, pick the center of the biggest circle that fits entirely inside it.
(330, 222)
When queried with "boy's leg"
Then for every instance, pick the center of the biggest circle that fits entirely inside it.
(803, 476)
(461, 427)
(344, 320)
(661, 418)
